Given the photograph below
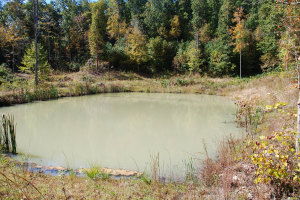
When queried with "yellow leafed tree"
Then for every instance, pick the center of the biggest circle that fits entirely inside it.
(175, 27)
(136, 45)
(115, 27)
(97, 29)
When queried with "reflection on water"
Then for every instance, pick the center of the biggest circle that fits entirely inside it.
(123, 130)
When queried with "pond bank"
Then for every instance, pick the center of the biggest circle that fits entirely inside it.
(59, 171)
(81, 83)
(230, 176)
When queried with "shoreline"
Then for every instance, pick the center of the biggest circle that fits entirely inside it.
(231, 173)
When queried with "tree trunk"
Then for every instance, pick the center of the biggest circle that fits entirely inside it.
(13, 58)
(298, 115)
(197, 40)
(49, 48)
(240, 64)
(36, 43)
(287, 62)
(97, 60)
(298, 125)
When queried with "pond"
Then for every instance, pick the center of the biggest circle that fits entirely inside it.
(124, 131)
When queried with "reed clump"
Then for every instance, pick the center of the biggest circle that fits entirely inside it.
(8, 134)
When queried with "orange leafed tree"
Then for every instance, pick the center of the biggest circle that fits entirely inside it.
(238, 33)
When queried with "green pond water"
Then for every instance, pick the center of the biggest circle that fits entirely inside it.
(124, 131)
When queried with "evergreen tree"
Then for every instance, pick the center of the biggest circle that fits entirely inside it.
(267, 33)
(136, 8)
(220, 50)
(97, 30)
(199, 8)
(154, 22)
(68, 10)
(161, 53)
(213, 11)
(185, 17)
(29, 64)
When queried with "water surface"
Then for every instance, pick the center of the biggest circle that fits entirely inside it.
(123, 131)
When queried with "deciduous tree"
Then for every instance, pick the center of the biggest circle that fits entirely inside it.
(136, 45)
(175, 27)
(238, 33)
(116, 27)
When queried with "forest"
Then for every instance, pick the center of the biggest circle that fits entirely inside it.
(212, 37)
(151, 67)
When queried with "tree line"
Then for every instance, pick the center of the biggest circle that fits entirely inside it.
(214, 37)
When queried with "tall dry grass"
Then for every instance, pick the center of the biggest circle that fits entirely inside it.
(8, 134)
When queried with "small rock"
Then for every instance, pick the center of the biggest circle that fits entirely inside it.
(249, 196)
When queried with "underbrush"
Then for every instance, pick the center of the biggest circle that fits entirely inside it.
(271, 154)
(27, 95)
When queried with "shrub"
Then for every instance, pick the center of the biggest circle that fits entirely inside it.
(6, 74)
(249, 116)
(116, 55)
(195, 58)
(180, 61)
(161, 53)
(189, 57)
(74, 67)
(277, 162)
(219, 54)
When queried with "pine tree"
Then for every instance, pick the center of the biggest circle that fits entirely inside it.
(220, 50)
(29, 62)
(269, 19)
(199, 8)
(185, 17)
(97, 30)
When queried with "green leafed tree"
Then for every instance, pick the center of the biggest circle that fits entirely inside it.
(97, 30)
(161, 54)
(267, 33)
(195, 58)
(199, 8)
(28, 62)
